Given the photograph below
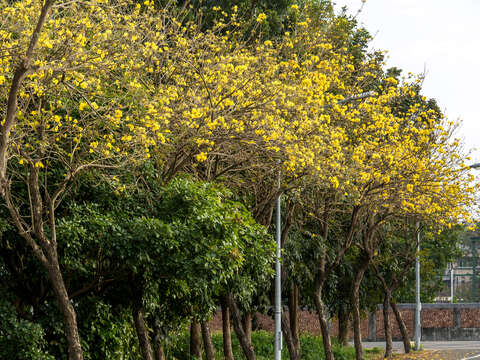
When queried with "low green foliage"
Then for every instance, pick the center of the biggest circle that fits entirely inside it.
(20, 339)
(373, 350)
(311, 345)
(106, 332)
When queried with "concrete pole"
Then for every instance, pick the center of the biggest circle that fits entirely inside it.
(474, 272)
(278, 282)
(474, 257)
(418, 307)
(452, 292)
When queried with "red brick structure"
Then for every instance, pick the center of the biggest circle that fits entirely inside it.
(439, 322)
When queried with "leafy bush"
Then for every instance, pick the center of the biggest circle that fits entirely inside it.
(107, 334)
(20, 339)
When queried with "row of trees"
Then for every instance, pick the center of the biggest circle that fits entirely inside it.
(139, 153)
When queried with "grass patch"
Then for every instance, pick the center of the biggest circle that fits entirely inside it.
(374, 350)
(311, 348)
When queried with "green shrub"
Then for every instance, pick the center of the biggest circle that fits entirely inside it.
(20, 339)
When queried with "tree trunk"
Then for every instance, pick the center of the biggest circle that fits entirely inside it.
(403, 328)
(195, 340)
(343, 322)
(357, 332)
(139, 321)
(157, 344)
(159, 354)
(207, 341)
(327, 343)
(293, 313)
(246, 345)
(247, 325)
(142, 334)
(288, 336)
(227, 336)
(387, 327)
(68, 312)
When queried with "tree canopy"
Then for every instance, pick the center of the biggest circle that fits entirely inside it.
(140, 149)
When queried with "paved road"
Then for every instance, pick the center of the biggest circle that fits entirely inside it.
(445, 350)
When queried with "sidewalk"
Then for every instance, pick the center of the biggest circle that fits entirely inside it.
(444, 350)
(439, 355)
(430, 345)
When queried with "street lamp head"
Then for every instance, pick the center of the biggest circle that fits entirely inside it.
(475, 166)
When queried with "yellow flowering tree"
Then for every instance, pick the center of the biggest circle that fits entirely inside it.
(85, 85)
(105, 85)
(99, 85)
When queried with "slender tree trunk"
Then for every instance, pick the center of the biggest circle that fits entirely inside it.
(207, 341)
(290, 326)
(343, 322)
(387, 326)
(357, 332)
(139, 321)
(293, 312)
(246, 345)
(227, 336)
(247, 325)
(157, 344)
(159, 354)
(327, 343)
(288, 336)
(142, 334)
(66, 307)
(401, 325)
(195, 340)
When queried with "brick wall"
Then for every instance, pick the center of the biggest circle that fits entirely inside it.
(408, 318)
(470, 318)
(308, 322)
(439, 322)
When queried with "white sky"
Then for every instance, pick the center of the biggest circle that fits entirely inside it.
(442, 36)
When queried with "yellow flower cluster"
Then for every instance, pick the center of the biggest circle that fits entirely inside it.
(111, 83)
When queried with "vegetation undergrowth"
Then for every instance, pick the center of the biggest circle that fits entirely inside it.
(311, 347)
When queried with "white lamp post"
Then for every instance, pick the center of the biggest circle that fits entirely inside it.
(278, 282)
(418, 307)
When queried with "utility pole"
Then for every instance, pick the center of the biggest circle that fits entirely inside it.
(418, 307)
(474, 270)
(452, 284)
(474, 256)
(278, 281)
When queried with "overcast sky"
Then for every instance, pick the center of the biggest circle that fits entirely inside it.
(442, 36)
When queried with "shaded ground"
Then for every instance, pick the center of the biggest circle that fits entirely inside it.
(430, 345)
(436, 350)
(440, 355)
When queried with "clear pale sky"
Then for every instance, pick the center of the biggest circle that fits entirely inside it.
(442, 36)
